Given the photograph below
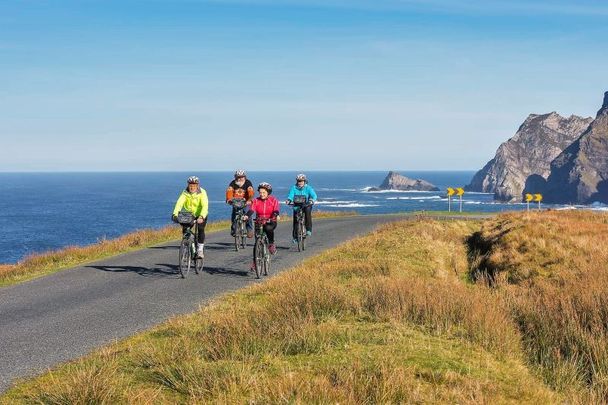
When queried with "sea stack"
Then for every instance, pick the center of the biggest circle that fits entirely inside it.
(396, 181)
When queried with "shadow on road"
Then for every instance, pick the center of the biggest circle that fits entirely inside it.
(165, 271)
(222, 271)
(176, 247)
(219, 246)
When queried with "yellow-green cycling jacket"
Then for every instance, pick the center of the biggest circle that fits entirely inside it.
(197, 203)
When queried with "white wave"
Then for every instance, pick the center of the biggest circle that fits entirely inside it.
(367, 190)
(337, 189)
(352, 205)
(333, 202)
(434, 197)
(474, 202)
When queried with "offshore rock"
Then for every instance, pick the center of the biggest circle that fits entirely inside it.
(527, 156)
(396, 181)
(580, 173)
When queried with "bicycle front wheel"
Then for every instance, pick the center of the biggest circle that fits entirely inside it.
(184, 258)
(237, 241)
(258, 253)
(266, 260)
(243, 235)
(301, 236)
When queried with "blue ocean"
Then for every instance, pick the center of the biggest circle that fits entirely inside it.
(48, 211)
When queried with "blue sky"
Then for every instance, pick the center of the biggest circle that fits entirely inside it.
(287, 85)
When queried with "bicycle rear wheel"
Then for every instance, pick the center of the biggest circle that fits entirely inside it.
(184, 258)
(258, 250)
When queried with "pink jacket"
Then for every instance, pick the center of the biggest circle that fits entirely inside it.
(264, 209)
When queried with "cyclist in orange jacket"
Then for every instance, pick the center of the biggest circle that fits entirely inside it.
(240, 187)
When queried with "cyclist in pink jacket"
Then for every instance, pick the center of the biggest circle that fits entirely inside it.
(266, 207)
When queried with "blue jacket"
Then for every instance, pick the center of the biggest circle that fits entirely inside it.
(308, 191)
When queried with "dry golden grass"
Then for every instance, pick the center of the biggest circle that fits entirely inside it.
(384, 318)
(553, 244)
(552, 273)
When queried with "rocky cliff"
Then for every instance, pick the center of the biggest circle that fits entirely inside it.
(528, 155)
(580, 173)
(395, 181)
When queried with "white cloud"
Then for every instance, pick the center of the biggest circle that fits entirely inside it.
(561, 7)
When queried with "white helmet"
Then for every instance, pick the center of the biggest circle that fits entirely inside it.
(301, 177)
(193, 180)
(240, 173)
(265, 186)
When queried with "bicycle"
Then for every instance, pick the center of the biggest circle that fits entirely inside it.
(261, 252)
(240, 231)
(189, 245)
(299, 203)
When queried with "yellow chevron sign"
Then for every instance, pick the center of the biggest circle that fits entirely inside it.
(529, 197)
(451, 191)
(460, 191)
(538, 197)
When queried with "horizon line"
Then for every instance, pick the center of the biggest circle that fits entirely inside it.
(228, 171)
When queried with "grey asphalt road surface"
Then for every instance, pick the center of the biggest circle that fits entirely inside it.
(65, 315)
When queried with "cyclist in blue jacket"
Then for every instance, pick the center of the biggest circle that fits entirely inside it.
(302, 188)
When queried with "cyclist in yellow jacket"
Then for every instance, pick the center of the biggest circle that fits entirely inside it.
(194, 199)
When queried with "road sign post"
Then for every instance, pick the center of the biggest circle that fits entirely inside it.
(539, 198)
(529, 197)
(460, 192)
(451, 192)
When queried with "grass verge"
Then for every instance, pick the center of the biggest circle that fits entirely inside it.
(388, 317)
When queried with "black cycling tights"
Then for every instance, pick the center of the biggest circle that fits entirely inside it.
(201, 231)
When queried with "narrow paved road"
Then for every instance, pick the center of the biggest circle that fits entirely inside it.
(63, 316)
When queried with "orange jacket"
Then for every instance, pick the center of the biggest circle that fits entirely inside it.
(235, 191)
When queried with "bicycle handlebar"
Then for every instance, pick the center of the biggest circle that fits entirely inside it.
(263, 221)
(308, 204)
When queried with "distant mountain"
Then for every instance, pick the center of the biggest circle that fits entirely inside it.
(580, 173)
(395, 181)
(539, 140)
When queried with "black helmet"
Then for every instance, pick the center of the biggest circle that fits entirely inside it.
(240, 173)
(265, 186)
